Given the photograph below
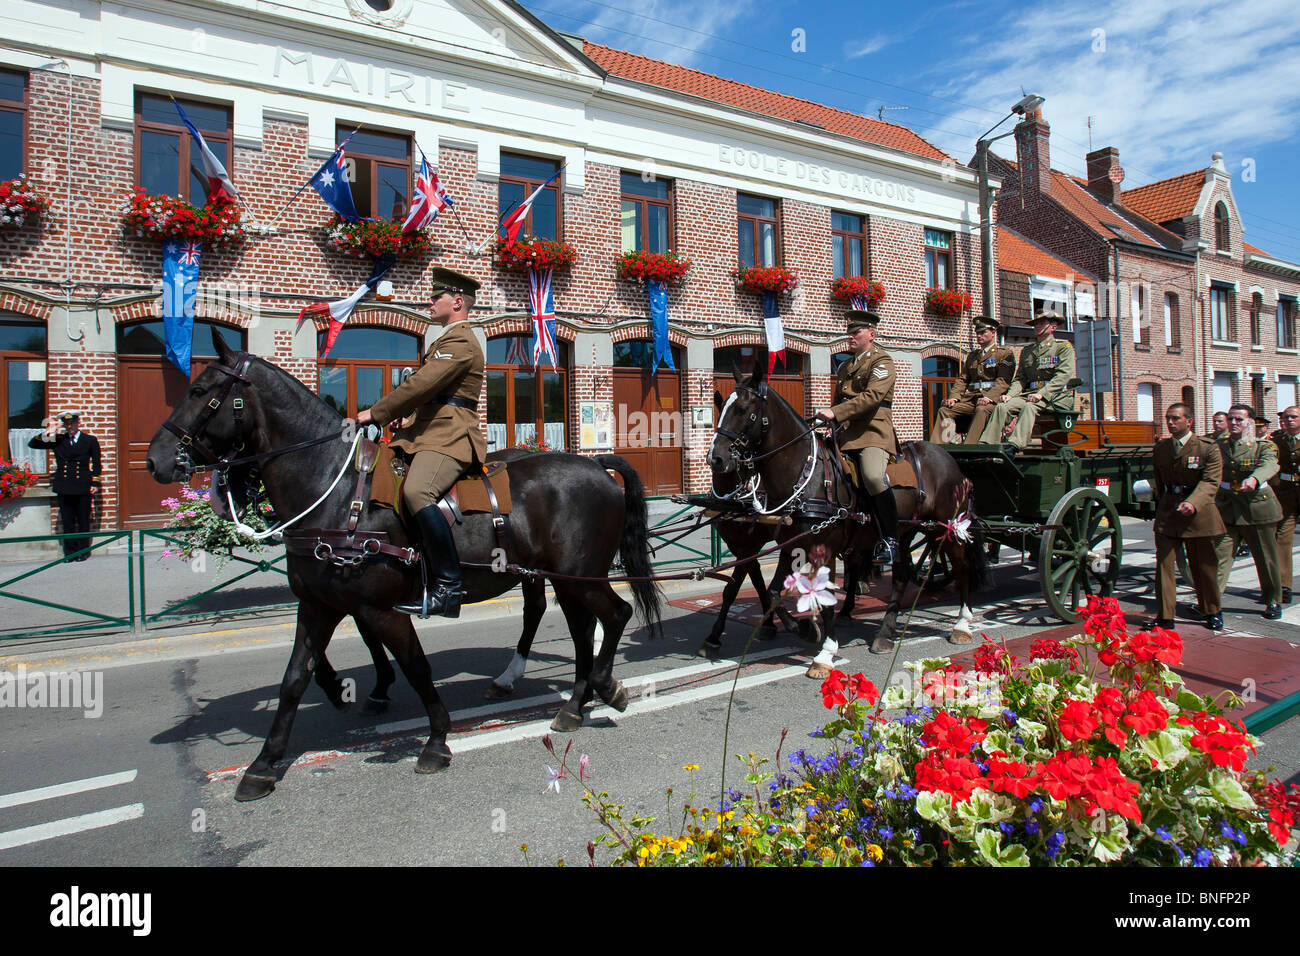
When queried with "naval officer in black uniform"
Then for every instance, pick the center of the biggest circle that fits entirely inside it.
(76, 478)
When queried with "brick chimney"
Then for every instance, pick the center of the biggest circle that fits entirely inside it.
(1105, 174)
(1033, 154)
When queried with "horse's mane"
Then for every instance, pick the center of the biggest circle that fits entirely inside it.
(298, 391)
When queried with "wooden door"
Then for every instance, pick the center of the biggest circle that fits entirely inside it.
(789, 387)
(148, 390)
(648, 426)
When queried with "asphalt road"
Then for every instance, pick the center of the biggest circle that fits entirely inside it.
(151, 780)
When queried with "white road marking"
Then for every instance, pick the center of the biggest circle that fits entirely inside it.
(66, 789)
(70, 825)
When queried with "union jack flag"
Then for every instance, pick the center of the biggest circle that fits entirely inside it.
(517, 354)
(430, 199)
(189, 254)
(542, 305)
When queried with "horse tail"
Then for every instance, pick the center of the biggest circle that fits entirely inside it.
(635, 544)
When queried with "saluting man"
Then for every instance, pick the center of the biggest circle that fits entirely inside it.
(986, 376)
(76, 477)
(1187, 471)
(1249, 508)
(441, 399)
(1042, 381)
(1286, 485)
(864, 397)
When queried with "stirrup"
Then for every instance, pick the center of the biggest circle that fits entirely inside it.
(444, 601)
(886, 552)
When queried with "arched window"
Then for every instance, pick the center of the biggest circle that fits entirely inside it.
(22, 387)
(149, 338)
(1222, 241)
(523, 402)
(365, 364)
(938, 372)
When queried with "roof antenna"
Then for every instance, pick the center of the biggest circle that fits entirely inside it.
(880, 113)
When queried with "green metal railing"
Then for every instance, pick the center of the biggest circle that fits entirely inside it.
(86, 619)
(173, 613)
(667, 553)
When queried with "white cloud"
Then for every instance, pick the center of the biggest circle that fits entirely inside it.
(654, 28)
(858, 48)
(1167, 84)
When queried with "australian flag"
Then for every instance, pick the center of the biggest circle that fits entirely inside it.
(180, 286)
(663, 352)
(332, 183)
(542, 305)
(430, 199)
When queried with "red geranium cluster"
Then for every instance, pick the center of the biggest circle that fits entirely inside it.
(1049, 649)
(859, 291)
(373, 238)
(992, 658)
(14, 480)
(1282, 807)
(667, 267)
(947, 302)
(168, 217)
(1137, 658)
(1108, 710)
(837, 687)
(1224, 742)
(20, 203)
(532, 252)
(765, 278)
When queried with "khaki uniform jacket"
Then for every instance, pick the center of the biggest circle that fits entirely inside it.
(453, 366)
(1286, 483)
(1250, 458)
(864, 393)
(1192, 474)
(1046, 369)
(986, 372)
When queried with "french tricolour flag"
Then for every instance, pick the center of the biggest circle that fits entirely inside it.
(514, 220)
(775, 331)
(220, 188)
(338, 312)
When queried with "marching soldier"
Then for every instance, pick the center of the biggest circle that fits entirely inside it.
(986, 376)
(1249, 508)
(1286, 485)
(76, 477)
(1219, 427)
(864, 397)
(1187, 470)
(1042, 382)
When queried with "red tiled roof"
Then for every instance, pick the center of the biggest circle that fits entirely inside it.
(1072, 193)
(1167, 199)
(1254, 250)
(1018, 254)
(682, 79)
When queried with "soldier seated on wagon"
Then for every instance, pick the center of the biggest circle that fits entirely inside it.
(1043, 383)
(986, 376)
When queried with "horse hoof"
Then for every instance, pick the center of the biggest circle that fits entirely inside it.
(959, 637)
(254, 787)
(496, 692)
(434, 757)
(818, 671)
(374, 706)
(566, 722)
(711, 651)
(618, 700)
(882, 645)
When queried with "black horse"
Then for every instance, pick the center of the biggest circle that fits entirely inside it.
(759, 432)
(569, 517)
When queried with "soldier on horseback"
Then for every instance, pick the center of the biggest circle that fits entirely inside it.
(864, 397)
(442, 435)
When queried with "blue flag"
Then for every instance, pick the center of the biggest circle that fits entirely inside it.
(659, 325)
(180, 284)
(332, 183)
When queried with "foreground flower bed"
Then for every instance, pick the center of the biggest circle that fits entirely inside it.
(1091, 753)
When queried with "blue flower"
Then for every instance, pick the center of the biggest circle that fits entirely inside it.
(1006, 828)
(1178, 850)
(1036, 806)
(1010, 715)
(982, 764)
(890, 794)
(1032, 827)
(886, 833)
(1202, 857)
(772, 828)
(811, 810)
(866, 862)
(1237, 836)
(907, 791)
(816, 733)
(1163, 834)
(840, 805)
(1018, 739)
(908, 718)
(1054, 844)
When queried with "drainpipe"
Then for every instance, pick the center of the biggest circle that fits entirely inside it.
(67, 283)
(1119, 348)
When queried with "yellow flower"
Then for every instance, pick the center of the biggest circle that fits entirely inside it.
(691, 766)
(845, 842)
(875, 853)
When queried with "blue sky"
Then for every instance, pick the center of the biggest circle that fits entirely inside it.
(1165, 83)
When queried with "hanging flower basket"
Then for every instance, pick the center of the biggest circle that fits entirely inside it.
(765, 278)
(859, 291)
(532, 252)
(666, 267)
(947, 302)
(160, 218)
(374, 238)
(20, 204)
(14, 480)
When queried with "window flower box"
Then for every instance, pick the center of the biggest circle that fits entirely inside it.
(666, 267)
(532, 252)
(947, 302)
(773, 279)
(375, 238)
(20, 204)
(161, 218)
(859, 291)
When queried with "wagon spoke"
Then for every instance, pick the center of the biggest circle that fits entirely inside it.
(1058, 573)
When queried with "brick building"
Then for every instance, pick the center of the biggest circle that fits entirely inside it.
(1145, 281)
(1246, 302)
(653, 157)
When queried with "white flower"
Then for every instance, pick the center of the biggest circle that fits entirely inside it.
(812, 593)
(552, 778)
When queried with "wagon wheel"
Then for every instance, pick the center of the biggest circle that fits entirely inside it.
(1082, 557)
(929, 560)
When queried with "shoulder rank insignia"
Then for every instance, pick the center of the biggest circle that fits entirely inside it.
(880, 372)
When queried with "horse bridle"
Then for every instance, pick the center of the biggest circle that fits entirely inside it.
(190, 440)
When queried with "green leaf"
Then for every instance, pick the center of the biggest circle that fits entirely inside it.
(1164, 748)
(935, 806)
(989, 844)
(1189, 701)
(1229, 791)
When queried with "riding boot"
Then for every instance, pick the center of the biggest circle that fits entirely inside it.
(887, 515)
(443, 589)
